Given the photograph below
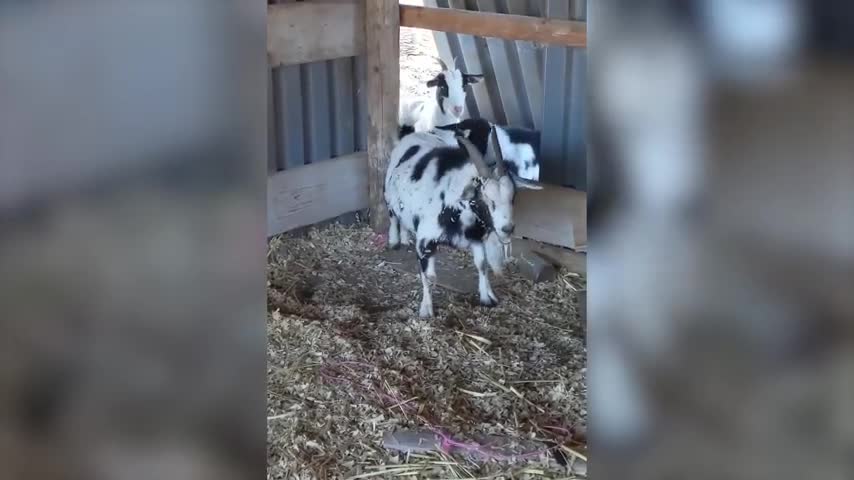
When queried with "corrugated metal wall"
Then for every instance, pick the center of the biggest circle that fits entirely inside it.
(317, 111)
(528, 85)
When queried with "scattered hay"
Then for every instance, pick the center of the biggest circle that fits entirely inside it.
(349, 361)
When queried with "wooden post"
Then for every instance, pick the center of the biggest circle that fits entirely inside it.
(382, 41)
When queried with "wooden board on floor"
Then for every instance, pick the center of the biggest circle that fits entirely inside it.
(304, 32)
(554, 215)
(319, 191)
(460, 278)
(564, 258)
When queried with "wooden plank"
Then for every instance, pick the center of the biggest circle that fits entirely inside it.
(536, 268)
(450, 275)
(564, 258)
(500, 25)
(554, 215)
(304, 32)
(382, 37)
(313, 193)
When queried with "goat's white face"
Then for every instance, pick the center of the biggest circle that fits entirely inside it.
(450, 90)
(498, 195)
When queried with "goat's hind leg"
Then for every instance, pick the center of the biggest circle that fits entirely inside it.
(425, 252)
(487, 296)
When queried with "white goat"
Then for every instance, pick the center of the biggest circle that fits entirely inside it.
(421, 115)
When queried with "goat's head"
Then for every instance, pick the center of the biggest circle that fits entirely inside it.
(479, 131)
(476, 130)
(492, 192)
(450, 86)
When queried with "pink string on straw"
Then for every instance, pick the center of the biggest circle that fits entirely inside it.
(448, 443)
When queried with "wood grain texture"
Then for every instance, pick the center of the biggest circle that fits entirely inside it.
(313, 193)
(564, 258)
(553, 215)
(304, 32)
(499, 25)
(382, 51)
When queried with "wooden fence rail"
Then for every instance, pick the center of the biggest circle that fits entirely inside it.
(499, 25)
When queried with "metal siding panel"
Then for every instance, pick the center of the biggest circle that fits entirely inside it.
(343, 111)
(503, 74)
(575, 159)
(492, 99)
(576, 142)
(361, 107)
(317, 111)
(290, 124)
(272, 166)
(529, 68)
(555, 87)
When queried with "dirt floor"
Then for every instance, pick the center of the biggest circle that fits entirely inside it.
(350, 362)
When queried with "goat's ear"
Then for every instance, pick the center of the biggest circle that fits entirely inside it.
(469, 78)
(435, 80)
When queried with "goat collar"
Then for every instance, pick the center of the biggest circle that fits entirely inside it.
(479, 209)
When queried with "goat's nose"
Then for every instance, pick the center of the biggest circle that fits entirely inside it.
(508, 229)
(458, 110)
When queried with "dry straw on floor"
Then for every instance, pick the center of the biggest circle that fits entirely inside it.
(349, 361)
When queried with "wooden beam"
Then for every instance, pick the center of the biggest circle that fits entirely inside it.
(303, 32)
(564, 258)
(500, 25)
(553, 215)
(313, 193)
(382, 49)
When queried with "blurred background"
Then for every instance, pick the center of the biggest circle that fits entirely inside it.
(132, 239)
(721, 260)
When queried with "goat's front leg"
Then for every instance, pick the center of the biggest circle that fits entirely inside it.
(394, 231)
(425, 251)
(404, 236)
(487, 296)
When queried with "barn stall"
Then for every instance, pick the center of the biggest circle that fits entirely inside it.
(358, 385)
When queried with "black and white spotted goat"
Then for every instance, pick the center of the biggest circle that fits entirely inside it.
(421, 115)
(447, 195)
(520, 147)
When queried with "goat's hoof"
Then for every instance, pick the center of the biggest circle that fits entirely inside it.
(396, 246)
(489, 302)
(426, 311)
